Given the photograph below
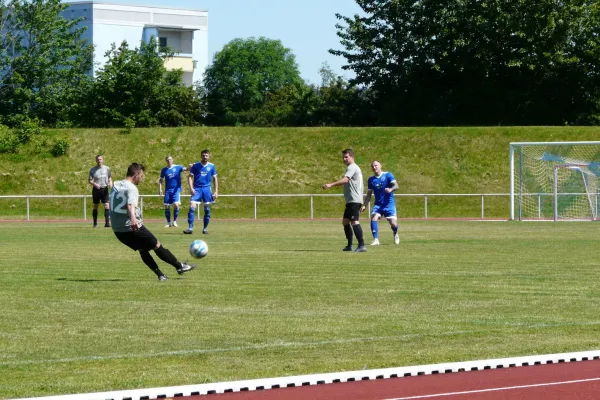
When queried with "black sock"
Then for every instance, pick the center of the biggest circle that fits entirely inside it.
(348, 232)
(106, 216)
(359, 234)
(95, 216)
(167, 256)
(149, 261)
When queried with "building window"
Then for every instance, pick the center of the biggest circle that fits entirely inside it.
(162, 42)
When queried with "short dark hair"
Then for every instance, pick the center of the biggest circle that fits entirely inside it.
(135, 168)
(348, 151)
(205, 151)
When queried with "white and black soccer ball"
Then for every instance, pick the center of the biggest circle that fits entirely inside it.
(198, 248)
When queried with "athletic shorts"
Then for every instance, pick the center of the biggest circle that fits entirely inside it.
(172, 196)
(388, 211)
(203, 195)
(352, 211)
(142, 239)
(100, 195)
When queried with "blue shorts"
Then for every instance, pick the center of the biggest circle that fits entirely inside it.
(202, 195)
(172, 196)
(389, 211)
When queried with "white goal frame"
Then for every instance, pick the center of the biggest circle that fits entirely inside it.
(514, 163)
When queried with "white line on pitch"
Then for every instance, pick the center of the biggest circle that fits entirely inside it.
(280, 344)
(495, 389)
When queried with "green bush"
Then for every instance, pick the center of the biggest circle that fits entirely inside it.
(27, 129)
(60, 146)
(9, 142)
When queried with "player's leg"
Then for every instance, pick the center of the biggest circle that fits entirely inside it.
(356, 228)
(390, 215)
(106, 201)
(347, 227)
(207, 198)
(176, 205)
(167, 203)
(164, 254)
(375, 225)
(191, 217)
(142, 243)
(150, 263)
(96, 201)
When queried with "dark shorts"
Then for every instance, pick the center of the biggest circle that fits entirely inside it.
(141, 239)
(352, 211)
(100, 195)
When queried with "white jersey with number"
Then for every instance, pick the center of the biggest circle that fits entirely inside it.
(123, 193)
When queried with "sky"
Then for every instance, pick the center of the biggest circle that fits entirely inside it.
(306, 27)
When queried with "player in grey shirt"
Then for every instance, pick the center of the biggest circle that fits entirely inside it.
(101, 180)
(129, 227)
(353, 193)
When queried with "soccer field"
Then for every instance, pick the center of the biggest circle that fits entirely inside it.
(82, 313)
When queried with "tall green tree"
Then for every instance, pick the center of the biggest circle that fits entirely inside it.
(243, 73)
(42, 59)
(133, 88)
(476, 62)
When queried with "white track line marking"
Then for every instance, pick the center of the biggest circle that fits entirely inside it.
(495, 389)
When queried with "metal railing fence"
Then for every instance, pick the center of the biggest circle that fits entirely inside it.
(255, 197)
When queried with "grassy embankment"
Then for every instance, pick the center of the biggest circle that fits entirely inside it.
(290, 160)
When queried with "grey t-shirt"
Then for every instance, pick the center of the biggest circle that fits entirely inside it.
(123, 193)
(100, 175)
(353, 190)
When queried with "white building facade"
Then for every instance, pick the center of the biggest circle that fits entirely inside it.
(183, 30)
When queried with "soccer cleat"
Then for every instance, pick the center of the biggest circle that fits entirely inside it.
(168, 225)
(375, 242)
(188, 231)
(396, 238)
(347, 248)
(174, 223)
(95, 225)
(205, 232)
(107, 225)
(163, 278)
(185, 267)
(361, 249)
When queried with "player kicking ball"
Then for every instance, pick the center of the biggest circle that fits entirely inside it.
(129, 228)
(382, 185)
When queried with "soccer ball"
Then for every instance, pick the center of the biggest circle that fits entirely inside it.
(198, 249)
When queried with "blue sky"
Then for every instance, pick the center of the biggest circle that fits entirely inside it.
(307, 27)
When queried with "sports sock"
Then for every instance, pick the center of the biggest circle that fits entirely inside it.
(167, 256)
(95, 216)
(191, 216)
(395, 228)
(168, 214)
(359, 234)
(106, 216)
(375, 229)
(175, 213)
(149, 261)
(206, 216)
(348, 232)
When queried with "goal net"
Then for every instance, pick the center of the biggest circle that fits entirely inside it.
(554, 180)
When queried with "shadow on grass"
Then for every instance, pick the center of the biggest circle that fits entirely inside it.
(91, 280)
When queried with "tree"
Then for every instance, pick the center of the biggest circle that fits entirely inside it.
(242, 74)
(42, 59)
(133, 88)
(476, 62)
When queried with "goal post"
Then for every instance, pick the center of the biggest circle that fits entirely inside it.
(554, 180)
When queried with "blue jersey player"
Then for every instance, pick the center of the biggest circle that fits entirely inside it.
(201, 177)
(382, 185)
(171, 174)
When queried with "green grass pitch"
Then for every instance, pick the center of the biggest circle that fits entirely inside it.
(81, 312)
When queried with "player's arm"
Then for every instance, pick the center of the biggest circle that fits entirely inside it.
(392, 188)
(367, 200)
(216, 182)
(160, 180)
(191, 183)
(110, 182)
(341, 182)
(131, 212)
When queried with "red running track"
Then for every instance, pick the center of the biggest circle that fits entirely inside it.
(572, 380)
